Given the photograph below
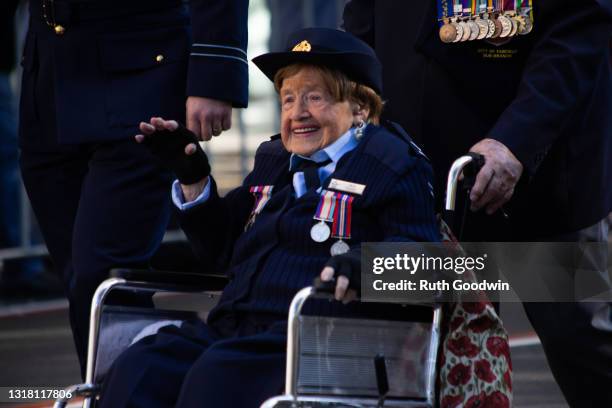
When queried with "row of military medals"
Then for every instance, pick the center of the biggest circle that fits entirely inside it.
(336, 209)
(484, 19)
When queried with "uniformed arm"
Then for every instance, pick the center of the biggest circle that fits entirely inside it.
(218, 66)
(560, 73)
(215, 225)
(358, 19)
(405, 215)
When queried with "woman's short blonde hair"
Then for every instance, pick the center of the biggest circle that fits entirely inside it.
(340, 87)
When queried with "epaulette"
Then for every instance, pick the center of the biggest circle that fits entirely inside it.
(390, 149)
(274, 146)
(399, 131)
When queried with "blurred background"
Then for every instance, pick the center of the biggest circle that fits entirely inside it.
(35, 342)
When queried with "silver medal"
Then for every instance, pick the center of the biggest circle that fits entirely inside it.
(340, 247)
(320, 232)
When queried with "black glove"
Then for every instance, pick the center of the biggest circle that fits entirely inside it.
(349, 265)
(169, 147)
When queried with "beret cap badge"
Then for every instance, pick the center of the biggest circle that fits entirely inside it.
(303, 46)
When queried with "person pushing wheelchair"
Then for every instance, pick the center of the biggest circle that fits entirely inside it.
(334, 178)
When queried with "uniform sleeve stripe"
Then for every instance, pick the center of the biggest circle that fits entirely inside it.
(224, 47)
(198, 54)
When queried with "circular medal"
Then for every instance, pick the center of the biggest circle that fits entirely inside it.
(320, 232)
(515, 26)
(474, 30)
(484, 29)
(466, 31)
(520, 19)
(506, 26)
(459, 29)
(340, 247)
(498, 28)
(492, 27)
(448, 33)
(528, 25)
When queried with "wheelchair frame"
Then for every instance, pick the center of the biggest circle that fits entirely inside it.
(167, 282)
(293, 399)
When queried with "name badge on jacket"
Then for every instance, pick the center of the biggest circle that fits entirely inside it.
(346, 186)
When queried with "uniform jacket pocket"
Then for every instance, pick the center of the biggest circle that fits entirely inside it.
(145, 75)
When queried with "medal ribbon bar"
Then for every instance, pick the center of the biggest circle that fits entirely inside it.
(327, 206)
(342, 218)
(262, 195)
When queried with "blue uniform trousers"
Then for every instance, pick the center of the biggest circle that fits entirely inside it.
(197, 366)
(98, 206)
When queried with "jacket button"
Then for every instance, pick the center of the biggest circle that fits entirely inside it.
(159, 58)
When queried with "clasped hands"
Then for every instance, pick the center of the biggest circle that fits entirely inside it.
(179, 150)
(206, 117)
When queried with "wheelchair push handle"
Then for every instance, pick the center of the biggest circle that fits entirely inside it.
(470, 171)
(469, 165)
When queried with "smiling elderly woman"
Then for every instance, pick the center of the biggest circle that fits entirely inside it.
(333, 179)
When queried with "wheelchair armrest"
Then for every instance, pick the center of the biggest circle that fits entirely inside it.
(193, 281)
(327, 289)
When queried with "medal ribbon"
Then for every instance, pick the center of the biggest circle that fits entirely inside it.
(342, 218)
(445, 10)
(480, 7)
(526, 5)
(458, 7)
(262, 195)
(466, 7)
(327, 206)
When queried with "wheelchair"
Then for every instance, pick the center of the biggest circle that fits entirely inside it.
(331, 361)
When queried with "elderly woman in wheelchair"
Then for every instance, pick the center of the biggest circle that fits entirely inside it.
(336, 177)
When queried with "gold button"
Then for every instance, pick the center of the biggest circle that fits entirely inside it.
(159, 58)
(59, 30)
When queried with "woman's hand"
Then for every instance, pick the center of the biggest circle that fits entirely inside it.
(347, 268)
(178, 149)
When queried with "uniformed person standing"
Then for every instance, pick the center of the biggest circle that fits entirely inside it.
(526, 83)
(92, 71)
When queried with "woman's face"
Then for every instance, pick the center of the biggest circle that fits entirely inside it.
(310, 118)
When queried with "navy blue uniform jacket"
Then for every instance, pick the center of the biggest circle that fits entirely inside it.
(546, 95)
(274, 258)
(121, 62)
